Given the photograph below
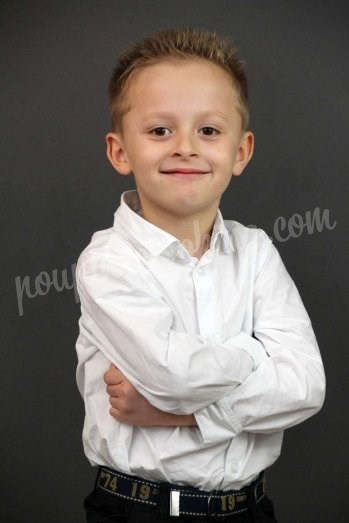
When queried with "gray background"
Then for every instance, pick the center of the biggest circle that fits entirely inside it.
(57, 188)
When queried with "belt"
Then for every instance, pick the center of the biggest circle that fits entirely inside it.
(183, 500)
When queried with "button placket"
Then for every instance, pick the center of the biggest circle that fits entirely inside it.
(201, 285)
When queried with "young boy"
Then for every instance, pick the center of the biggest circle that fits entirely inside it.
(211, 353)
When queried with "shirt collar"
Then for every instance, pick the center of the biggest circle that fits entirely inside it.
(221, 235)
(129, 222)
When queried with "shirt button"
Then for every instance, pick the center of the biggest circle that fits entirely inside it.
(234, 467)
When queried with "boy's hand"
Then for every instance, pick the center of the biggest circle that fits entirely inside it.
(129, 406)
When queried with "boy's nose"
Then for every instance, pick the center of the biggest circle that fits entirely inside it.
(185, 145)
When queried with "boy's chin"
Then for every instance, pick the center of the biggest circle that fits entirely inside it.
(186, 209)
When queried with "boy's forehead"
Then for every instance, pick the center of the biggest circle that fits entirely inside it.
(156, 84)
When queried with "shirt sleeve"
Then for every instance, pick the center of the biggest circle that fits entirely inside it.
(125, 317)
(288, 386)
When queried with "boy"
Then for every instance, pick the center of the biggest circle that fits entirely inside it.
(212, 352)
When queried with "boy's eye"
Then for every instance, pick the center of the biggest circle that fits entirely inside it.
(209, 131)
(159, 131)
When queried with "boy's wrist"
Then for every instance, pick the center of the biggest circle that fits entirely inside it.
(167, 419)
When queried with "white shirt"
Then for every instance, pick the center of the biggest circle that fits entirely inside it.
(225, 337)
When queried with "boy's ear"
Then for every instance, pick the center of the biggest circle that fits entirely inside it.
(244, 154)
(116, 153)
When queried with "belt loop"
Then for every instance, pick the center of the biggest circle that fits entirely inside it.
(251, 501)
(163, 506)
(98, 476)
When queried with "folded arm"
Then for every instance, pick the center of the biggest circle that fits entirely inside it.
(126, 318)
(288, 386)
(129, 406)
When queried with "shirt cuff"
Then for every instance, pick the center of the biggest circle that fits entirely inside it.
(217, 422)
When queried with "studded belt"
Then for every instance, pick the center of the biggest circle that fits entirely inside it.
(183, 500)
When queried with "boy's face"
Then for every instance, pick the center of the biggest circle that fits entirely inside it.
(182, 138)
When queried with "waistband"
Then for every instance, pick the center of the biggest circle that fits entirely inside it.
(182, 500)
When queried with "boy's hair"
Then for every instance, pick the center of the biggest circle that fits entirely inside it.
(175, 44)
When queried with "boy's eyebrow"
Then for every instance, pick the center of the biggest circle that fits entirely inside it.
(202, 114)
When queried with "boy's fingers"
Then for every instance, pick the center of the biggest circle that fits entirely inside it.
(113, 402)
(113, 376)
(114, 412)
(107, 377)
(112, 390)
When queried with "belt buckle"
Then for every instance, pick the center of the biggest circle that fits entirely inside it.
(211, 516)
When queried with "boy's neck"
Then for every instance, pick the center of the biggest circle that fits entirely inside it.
(194, 231)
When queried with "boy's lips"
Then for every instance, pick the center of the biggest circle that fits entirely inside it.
(184, 170)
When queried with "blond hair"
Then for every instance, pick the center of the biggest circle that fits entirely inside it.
(175, 44)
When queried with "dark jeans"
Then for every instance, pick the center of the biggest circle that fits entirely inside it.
(102, 507)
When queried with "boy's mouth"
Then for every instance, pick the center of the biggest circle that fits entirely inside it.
(184, 171)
